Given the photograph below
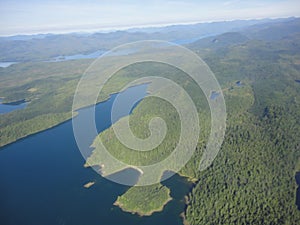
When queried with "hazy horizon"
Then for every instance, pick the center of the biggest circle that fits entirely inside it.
(115, 29)
(33, 17)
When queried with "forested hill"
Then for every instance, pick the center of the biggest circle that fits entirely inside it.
(24, 48)
(275, 31)
(252, 180)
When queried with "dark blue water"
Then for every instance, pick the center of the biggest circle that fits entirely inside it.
(6, 108)
(42, 178)
(298, 189)
(297, 81)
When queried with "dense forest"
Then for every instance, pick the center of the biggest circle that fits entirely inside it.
(144, 200)
(252, 180)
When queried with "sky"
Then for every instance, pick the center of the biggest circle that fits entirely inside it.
(53, 16)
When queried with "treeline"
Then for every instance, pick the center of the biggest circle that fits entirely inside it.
(252, 179)
(144, 200)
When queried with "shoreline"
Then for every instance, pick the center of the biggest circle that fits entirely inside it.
(34, 133)
(193, 181)
(73, 114)
(160, 209)
(89, 184)
(183, 214)
(189, 179)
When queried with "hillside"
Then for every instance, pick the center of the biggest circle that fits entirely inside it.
(252, 179)
(46, 46)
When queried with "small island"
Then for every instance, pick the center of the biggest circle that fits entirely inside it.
(144, 200)
(89, 184)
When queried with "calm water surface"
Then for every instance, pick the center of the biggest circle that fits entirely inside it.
(92, 55)
(42, 178)
(6, 108)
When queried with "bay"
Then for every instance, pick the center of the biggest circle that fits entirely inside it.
(42, 178)
(9, 107)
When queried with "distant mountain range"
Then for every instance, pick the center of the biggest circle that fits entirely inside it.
(46, 46)
(269, 31)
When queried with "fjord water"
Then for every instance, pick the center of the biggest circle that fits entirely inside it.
(42, 178)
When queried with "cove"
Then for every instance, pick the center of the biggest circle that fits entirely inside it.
(9, 107)
(42, 178)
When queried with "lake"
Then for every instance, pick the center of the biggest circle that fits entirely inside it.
(96, 54)
(62, 58)
(239, 83)
(9, 107)
(92, 55)
(42, 178)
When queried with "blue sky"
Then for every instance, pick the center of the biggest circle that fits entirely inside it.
(36, 16)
